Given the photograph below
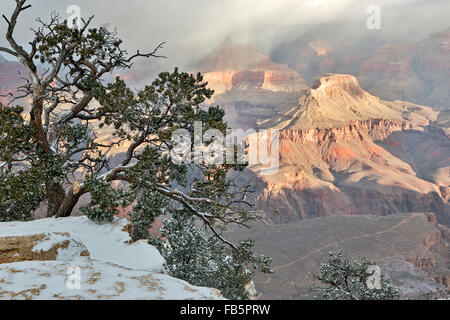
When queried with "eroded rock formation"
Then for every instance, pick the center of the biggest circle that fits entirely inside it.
(345, 152)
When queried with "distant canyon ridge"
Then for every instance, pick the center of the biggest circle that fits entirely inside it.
(343, 149)
(364, 153)
(361, 131)
(364, 156)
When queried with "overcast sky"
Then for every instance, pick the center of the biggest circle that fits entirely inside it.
(192, 27)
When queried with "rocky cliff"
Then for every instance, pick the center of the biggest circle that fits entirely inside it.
(346, 152)
(323, 50)
(416, 71)
(248, 85)
(235, 66)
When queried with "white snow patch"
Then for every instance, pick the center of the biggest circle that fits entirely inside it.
(98, 280)
(72, 251)
(50, 240)
(115, 269)
(105, 242)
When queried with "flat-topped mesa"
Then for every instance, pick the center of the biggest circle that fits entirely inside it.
(331, 85)
(345, 151)
(236, 66)
(337, 100)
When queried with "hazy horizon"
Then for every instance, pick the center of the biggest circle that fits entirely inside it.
(191, 29)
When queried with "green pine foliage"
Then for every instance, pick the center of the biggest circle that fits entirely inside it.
(20, 194)
(345, 278)
(201, 259)
(105, 200)
(62, 148)
(148, 207)
(21, 191)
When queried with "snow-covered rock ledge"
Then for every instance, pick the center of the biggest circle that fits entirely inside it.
(75, 258)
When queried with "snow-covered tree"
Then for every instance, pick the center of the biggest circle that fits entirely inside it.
(201, 259)
(347, 278)
(86, 133)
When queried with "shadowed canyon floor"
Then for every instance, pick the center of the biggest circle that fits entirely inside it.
(298, 248)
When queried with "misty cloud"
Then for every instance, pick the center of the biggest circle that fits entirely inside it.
(191, 28)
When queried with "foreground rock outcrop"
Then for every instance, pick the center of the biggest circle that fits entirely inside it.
(75, 258)
(43, 246)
